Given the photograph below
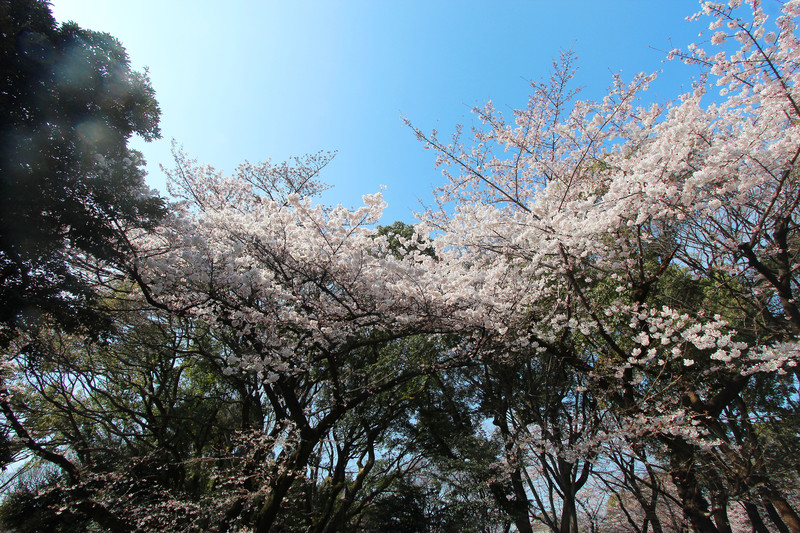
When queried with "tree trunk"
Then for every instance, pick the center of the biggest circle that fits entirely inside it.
(517, 508)
(719, 505)
(569, 514)
(266, 516)
(775, 517)
(784, 510)
(755, 518)
(695, 507)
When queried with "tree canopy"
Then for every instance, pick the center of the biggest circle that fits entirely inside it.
(594, 329)
(69, 185)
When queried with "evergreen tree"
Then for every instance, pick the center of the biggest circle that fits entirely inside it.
(69, 184)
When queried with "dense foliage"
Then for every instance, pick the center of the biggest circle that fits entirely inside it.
(69, 185)
(595, 330)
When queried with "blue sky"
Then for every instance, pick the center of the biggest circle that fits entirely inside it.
(247, 80)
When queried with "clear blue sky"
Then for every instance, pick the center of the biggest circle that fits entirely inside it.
(251, 80)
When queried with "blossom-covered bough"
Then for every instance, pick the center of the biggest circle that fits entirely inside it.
(662, 240)
(316, 298)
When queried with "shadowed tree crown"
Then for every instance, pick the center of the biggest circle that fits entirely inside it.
(69, 184)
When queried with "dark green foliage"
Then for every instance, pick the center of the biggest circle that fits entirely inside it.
(29, 507)
(24, 512)
(403, 511)
(69, 185)
(6, 453)
(402, 239)
(419, 505)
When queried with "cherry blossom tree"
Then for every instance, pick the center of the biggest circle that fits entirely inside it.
(572, 218)
(319, 301)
